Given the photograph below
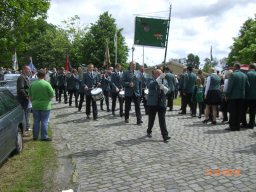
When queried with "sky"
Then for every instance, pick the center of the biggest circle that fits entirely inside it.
(195, 25)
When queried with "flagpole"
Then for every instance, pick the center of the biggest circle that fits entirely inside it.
(167, 34)
(116, 47)
(143, 57)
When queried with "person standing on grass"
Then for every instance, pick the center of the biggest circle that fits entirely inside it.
(23, 84)
(41, 93)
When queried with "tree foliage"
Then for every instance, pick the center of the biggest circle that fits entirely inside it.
(243, 49)
(15, 19)
(207, 65)
(23, 27)
(193, 60)
(96, 39)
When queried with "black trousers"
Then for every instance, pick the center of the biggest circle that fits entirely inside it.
(71, 93)
(144, 101)
(62, 89)
(187, 100)
(136, 101)
(81, 100)
(115, 95)
(249, 104)
(235, 112)
(55, 88)
(152, 110)
(170, 97)
(224, 109)
(89, 102)
(106, 98)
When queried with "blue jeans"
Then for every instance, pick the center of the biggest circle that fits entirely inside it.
(41, 119)
(27, 117)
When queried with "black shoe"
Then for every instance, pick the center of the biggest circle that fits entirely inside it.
(199, 117)
(182, 113)
(205, 121)
(35, 139)
(121, 115)
(108, 110)
(214, 122)
(47, 139)
(166, 139)
(139, 122)
(102, 109)
(194, 115)
(113, 113)
(88, 117)
(149, 135)
(126, 120)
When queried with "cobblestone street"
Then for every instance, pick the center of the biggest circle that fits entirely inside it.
(111, 155)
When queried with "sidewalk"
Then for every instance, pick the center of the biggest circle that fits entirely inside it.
(110, 155)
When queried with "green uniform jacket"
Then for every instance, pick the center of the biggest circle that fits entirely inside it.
(237, 84)
(189, 82)
(251, 91)
(171, 81)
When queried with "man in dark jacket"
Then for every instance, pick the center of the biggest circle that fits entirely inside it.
(157, 104)
(250, 100)
(237, 84)
(23, 84)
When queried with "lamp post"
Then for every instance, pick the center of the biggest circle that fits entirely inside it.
(133, 48)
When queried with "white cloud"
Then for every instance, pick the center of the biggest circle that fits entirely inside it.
(195, 25)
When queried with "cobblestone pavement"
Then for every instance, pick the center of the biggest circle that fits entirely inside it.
(110, 155)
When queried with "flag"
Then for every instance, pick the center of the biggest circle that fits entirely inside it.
(15, 61)
(68, 64)
(107, 57)
(211, 53)
(151, 31)
(31, 65)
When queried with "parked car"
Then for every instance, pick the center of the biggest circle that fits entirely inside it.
(11, 85)
(12, 125)
(12, 76)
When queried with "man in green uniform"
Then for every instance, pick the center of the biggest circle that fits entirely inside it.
(237, 84)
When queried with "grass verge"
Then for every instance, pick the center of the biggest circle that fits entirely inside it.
(30, 171)
(177, 101)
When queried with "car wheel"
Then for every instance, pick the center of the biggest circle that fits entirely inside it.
(19, 141)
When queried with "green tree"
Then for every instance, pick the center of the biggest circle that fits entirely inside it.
(76, 32)
(15, 18)
(207, 65)
(243, 49)
(96, 39)
(193, 60)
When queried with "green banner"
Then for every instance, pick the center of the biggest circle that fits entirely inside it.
(150, 32)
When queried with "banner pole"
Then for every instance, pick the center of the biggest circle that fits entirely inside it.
(168, 27)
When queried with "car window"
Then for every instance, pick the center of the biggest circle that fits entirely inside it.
(7, 102)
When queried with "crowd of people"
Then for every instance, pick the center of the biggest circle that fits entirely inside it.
(232, 93)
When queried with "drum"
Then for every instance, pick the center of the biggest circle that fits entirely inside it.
(97, 94)
(146, 94)
(121, 94)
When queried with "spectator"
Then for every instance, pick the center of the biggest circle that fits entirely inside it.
(41, 93)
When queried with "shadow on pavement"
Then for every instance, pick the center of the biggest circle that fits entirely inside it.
(88, 153)
(253, 135)
(138, 141)
(216, 131)
(250, 149)
(118, 124)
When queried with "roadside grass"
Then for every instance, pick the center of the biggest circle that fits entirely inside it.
(32, 170)
(177, 102)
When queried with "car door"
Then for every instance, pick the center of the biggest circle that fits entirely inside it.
(8, 124)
